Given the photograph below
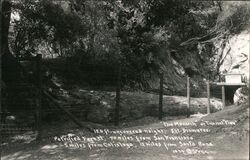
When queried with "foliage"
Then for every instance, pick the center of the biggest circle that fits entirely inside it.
(144, 36)
(44, 23)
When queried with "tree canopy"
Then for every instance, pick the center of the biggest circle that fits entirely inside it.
(144, 36)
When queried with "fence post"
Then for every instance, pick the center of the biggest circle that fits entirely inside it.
(1, 84)
(188, 96)
(223, 96)
(118, 94)
(161, 96)
(39, 96)
(208, 97)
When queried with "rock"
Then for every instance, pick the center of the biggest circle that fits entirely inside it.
(239, 96)
(236, 55)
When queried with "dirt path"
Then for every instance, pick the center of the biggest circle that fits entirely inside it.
(228, 143)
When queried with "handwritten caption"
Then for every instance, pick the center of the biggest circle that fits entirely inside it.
(176, 137)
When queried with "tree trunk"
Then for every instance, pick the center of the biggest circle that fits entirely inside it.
(5, 10)
(5, 19)
(11, 68)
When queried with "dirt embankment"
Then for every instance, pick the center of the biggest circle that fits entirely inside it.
(98, 106)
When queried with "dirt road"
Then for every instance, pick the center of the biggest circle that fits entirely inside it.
(227, 141)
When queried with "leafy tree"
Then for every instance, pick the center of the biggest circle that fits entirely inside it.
(146, 37)
(45, 22)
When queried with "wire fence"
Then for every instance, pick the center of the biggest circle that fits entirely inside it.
(31, 100)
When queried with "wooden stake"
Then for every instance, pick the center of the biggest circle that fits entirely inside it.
(39, 96)
(223, 96)
(161, 96)
(188, 96)
(1, 52)
(118, 94)
(208, 97)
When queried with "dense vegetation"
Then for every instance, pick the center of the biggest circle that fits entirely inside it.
(142, 37)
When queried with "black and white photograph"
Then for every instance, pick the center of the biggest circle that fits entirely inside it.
(124, 79)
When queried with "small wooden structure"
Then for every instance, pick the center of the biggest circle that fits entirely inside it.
(231, 80)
